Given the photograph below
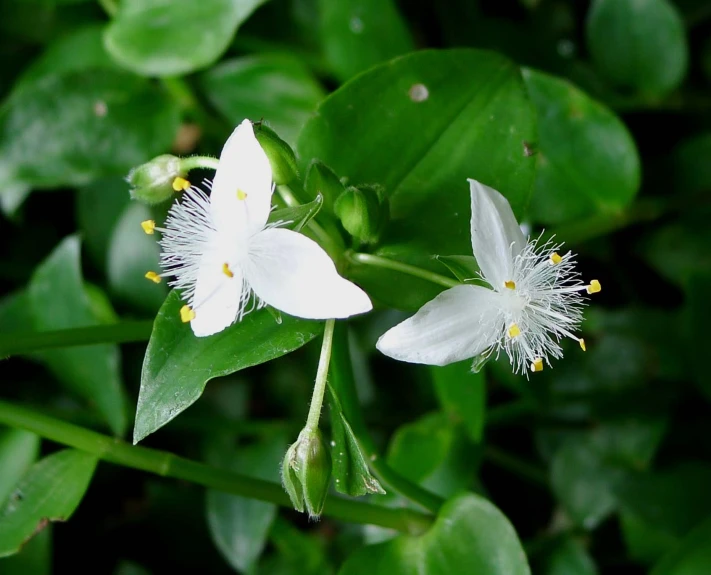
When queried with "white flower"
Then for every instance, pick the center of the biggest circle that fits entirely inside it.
(536, 299)
(226, 260)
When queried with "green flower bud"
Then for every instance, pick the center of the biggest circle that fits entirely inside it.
(153, 182)
(363, 212)
(306, 472)
(281, 156)
(320, 179)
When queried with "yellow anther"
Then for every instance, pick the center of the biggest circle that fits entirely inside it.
(537, 364)
(581, 341)
(241, 195)
(556, 258)
(180, 184)
(514, 331)
(227, 271)
(510, 284)
(153, 276)
(186, 314)
(594, 287)
(148, 226)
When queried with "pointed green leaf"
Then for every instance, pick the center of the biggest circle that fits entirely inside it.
(297, 217)
(177, 364)
(18, 450)
(464, 268)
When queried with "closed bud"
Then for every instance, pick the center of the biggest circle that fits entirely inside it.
(281, 156)
(306, 472)
(363, 212)
(152, 182)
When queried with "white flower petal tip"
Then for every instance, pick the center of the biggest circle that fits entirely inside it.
(536, 300)
(226, 261)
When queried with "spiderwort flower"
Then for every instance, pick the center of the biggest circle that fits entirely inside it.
(536, 299)
(226, 260)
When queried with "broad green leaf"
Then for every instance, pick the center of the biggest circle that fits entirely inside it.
(277, 88)
(50, 491)
(449, 115)
(464, 268)
(98, 207)
(587, 160)
(158, 38)
(298, 553)
(71, 128)
(18, 450)
(239, 526)
(297, 217)
(692, 557)
(646, 543)
(34, 558)
(351, 474)
(462, 395)
(698, 314)
(131, 254)
(358, 34)
(58, 300)
(469, 533)
(434, 453)
(177, 364)
(569, 558)
(638, 44)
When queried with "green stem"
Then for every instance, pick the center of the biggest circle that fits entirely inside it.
(388, 264)
(193, 162)
(180, 91)
(321, 378)
(124, 332)
(515, 465)
(170, 465)
(343, 386)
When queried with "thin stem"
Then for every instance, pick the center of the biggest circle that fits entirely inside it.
(170, 465)
(321, 378)
(180, 91)
(343, 386)
(124, 332)
(388, 264)
(515, 465)
(205, 162)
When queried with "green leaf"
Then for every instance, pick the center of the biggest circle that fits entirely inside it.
(434, 453)
(71, 128)
(50, 491)
(569, 558)
(358, 34)
(587, 160)
(297, 217)
(277, 88)
(239, 526)
(464, 268)
(34, 558)
(451, 115)
(351, 473)
(57, 300)
(645, 543)
(469, 531)
(18, 450)
(131, 254)
(158, 38)
(320, 179)
(638, 44)
(692, 557)
(698, 314)
(298, 552)
(691, 169)
(177, 364)
(462, 395)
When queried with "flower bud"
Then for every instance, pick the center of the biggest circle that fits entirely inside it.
(152, 182)
(281, 156)
(306, 472)
(363, 212)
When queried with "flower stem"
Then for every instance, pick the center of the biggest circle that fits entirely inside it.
(343, 387)
(321, 377)
(124, 332)
(388, 264)
(169, 465)
(192, 162)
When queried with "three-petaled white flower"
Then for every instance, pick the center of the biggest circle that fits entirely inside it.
(536, 299)
(226, 260)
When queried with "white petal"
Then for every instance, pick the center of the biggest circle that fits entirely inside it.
(496, 236)
(217, 300)
(293, 274)
(244, 172)
(458, 324)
